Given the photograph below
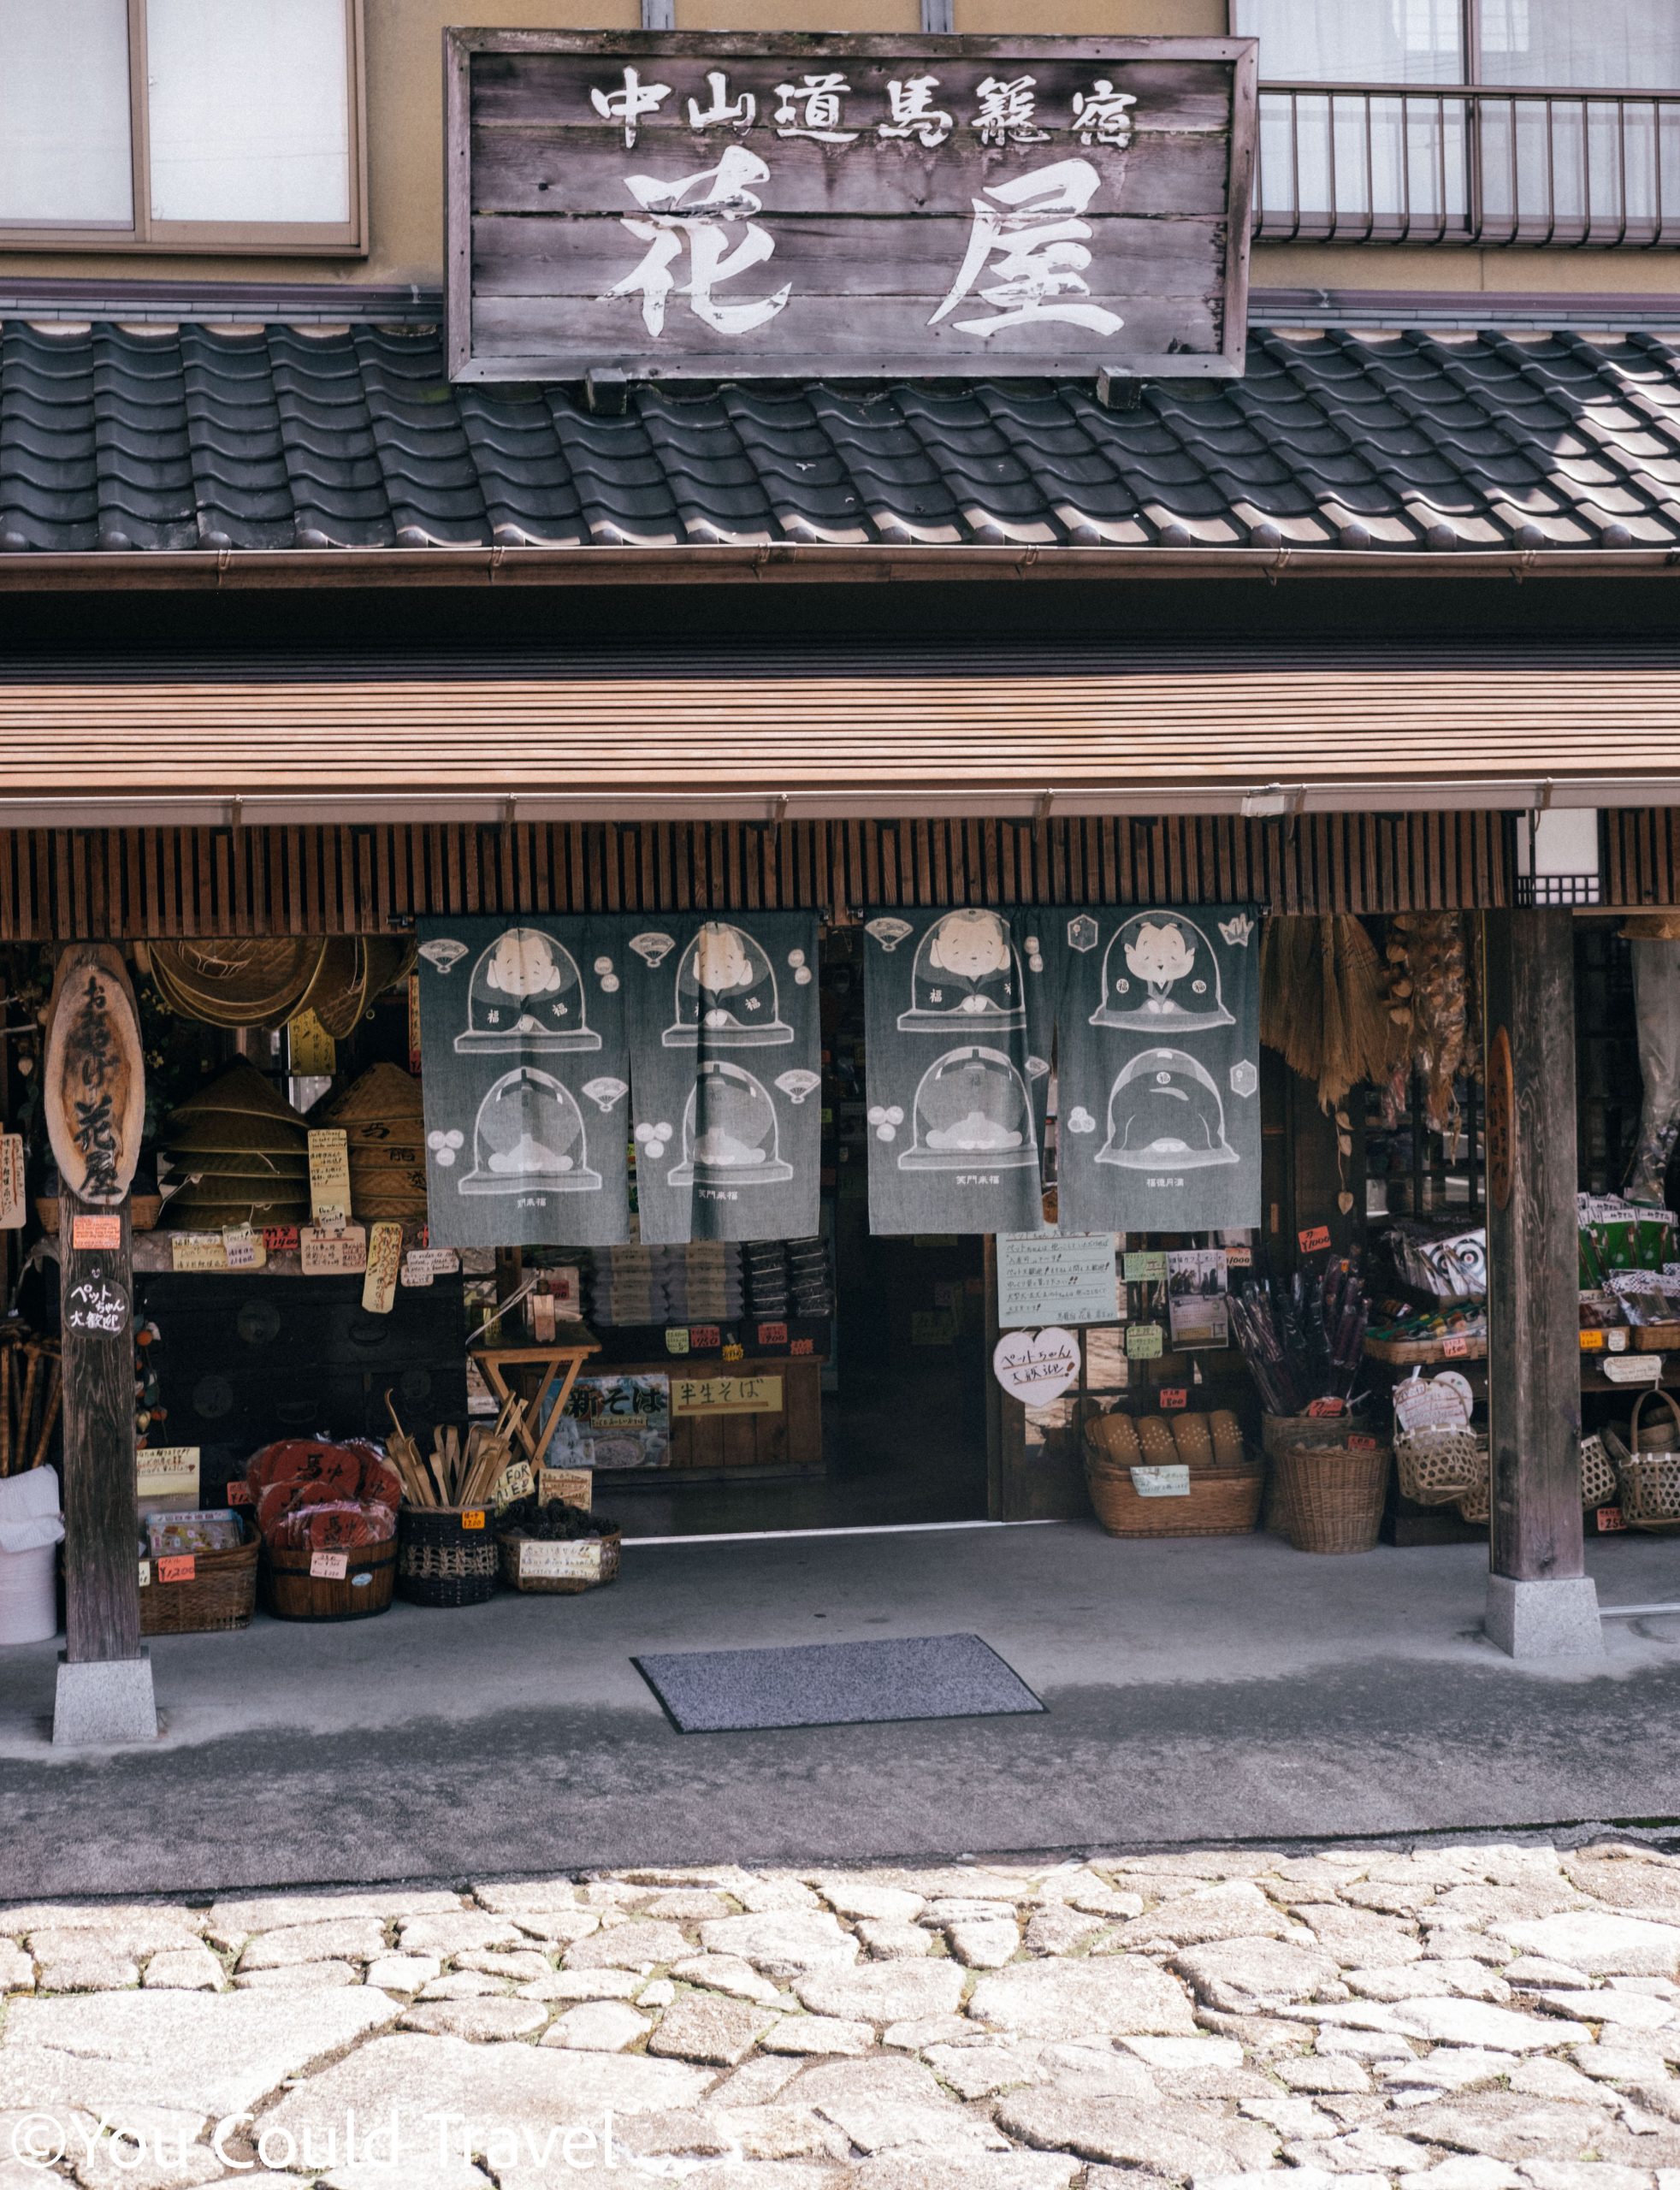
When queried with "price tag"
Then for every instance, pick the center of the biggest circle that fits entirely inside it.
(196, 1251)
(96, 1232)
(473, 1520)
(181, 1567)
(1314, 1239)
(1147, 1267)
(277, 1239)
(1615, 1341)
(676, 1340)
(1171, 1396)
(1323, 1410)
(571, 1486)
(329, 1175)
(772, 1334)
(1358, 1443)
(1455, 1345)
(328, 1566)
(702, 1335)
(238, 1492)
(1239, 1258)
(145, 1573)
(385, 1254)
(1592, 1342)
(560, 1561)
(735, 1351)
(1143, 1341)
(334, 1254)
(543, 1318)
(1609, 1520)
(242, 1248)
(12, 1207)
(516, 1483)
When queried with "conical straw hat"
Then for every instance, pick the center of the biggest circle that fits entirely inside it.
(256, 1165)
(242, 1090)
(385, 1093)
(234, 1133)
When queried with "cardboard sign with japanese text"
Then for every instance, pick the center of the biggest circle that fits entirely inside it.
(715, 205)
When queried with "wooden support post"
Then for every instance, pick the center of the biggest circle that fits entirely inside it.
(1539, 1602)
(101, 1514)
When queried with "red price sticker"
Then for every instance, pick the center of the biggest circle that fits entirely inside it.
(96, 1232)
(802, 1346)
(277, 1238)
(1357, 1442)
(1171, 1396)
(472, 1520)
(1315, 1237)
(1320, 1409)
(1610, 1519)
(772, 1334)
(181, 1568)
(238, 1492)
(701, 1335)
(1455, 1345)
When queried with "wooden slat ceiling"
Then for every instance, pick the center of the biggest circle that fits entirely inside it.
(1302, 735)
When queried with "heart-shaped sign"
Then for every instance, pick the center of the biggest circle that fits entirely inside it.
(1036, 1366)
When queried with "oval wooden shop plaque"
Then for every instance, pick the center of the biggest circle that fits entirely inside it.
(1501, 1120)
(94, 1089)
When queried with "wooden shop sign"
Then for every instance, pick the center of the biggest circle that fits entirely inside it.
(726, 1395)
(93, 1089)
(725, 205)
(13, 1205)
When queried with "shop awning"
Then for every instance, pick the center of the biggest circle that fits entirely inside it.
(767, 736)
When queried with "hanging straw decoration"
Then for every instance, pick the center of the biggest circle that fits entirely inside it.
(1323, 1002)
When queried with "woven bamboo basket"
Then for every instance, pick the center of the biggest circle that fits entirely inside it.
(1278, 1432)
(1333, 1496)
(1222, 1501)
(1649, 1480)
(290, 1591)
(1598, 1474)
(591, 1562)
(1438, 1467)
(217, 1597)
(447, 1556)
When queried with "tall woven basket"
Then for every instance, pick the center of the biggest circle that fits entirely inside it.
(1333, 1496)
(446, 1555)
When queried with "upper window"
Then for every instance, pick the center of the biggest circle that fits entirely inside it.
(1561, 44)
(181, 124)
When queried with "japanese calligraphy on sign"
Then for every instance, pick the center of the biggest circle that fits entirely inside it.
(709, 205)
(94, 1089)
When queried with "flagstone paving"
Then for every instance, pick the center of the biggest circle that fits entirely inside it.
(1455, 2017)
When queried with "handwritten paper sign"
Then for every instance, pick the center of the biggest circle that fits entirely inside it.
(569, 1486)
(726, 1395)
(570, 1562)
(96, 1232)
(1146, 1266)
(329, 1175)
(328, 1566)
(1145, 1341)
(429, 1263)
(333, 1254)
(385, 1254)
(180, 1566)
(1314, 1239)
(1170, 1481)
(168, 1471)
(12, 1209)
(516, 1483)
(1036, 1367)
(197, 1251)
(1049, 1278)
(243, 1248)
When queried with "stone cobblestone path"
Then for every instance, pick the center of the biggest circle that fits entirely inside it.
(1466, 2017)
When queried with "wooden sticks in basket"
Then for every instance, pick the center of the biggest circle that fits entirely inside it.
(457, 1473)
(31, 1396)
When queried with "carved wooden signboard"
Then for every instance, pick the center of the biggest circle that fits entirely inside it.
(715, 205)
(94, 1089)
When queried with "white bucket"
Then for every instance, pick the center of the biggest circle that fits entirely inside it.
(28, 1595)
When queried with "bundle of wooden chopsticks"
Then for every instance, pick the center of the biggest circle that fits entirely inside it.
(456, 1472)
(32, 1391)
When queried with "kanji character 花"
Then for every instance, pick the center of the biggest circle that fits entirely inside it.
(821, 97)
(1102, 116)
(629, 105)
(1007, 114)
(696, 213)
(738, 112)
(913, 114)
(1036, 241)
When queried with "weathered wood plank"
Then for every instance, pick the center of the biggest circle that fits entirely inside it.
(101, 1514)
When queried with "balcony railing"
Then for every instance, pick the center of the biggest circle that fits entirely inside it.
(1465, 164)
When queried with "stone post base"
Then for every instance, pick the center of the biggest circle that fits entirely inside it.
(102, 1704)
(1544, 1619)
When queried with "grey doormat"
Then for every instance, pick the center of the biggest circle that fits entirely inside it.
(835, 1685)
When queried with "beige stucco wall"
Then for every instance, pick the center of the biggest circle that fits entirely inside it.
(405, 73)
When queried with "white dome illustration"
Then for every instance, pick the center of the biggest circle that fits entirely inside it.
(730, 1136)
(966, 975)
(726, 994)
(1165, 1112)
(1160, 975)
(526, 995)
(528, 1137)
(972, 1108)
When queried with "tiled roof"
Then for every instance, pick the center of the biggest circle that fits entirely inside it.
(144, 439)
